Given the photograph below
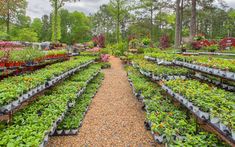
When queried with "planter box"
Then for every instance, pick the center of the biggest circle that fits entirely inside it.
(223, 128)
(71, 104)
(183, 100)
(43, 144)
(15, 103)
(59, 132)
(159, 139)
(156, 78)
(195, 109)
(203, 115)
(74, 131)
(190, 105)
(21, 99)
(6, 108)
(233, 134)
(67, 132)
(215, 121)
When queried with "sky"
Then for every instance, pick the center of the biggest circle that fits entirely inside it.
(37, 8)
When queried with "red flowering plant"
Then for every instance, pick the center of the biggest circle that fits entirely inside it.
(196, 45)
(227, 43)
(164, 42)
(99, 40)
(105, 57)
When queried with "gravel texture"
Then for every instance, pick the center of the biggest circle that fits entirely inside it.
(115, 117)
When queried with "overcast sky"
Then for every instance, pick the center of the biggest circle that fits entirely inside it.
(37, 8)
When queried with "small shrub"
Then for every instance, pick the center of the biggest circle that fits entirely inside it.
(134, 44)
(146, 41)
(119, 49)
(199, 37)
(196, 45)
(89, 44)
(164, 42)
(105, 65)
(106, 50)
(99, 40)
(212, 48)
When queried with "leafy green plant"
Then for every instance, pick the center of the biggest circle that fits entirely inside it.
(13, 87)
(167, 119)
(146, 41)
(134, 44)
(219, 63)
(217, 102)
(29, 125)
(212, 48)
(159, 70)
(75, 115)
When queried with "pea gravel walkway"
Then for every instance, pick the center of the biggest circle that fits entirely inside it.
(115, 117)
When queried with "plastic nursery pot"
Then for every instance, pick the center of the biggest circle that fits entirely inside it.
(223, 128)
(203, 115)
(158, 138)
(6, 108)
(74, 131)
(59, 132)
(16, 103)
(10, 64)
(233, 134)
(190, 105)
(2, 64)
(215, 120)
(67, 132)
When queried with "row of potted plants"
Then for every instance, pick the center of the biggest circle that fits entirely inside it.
(74, 118)
(54, 54)
(32, 126)
(214, 104)
(169, 124)
(28, 56)
(159, 70)
(13, 88)
(226, 125)
(221, 84)
(217, 63)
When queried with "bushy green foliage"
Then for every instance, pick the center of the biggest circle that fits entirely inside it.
(26, 34)
(4, 36)
(212, 48)
(146, 41)
(134, 44)
(116, 49)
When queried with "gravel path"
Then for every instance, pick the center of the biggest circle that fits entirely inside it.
(115, 117)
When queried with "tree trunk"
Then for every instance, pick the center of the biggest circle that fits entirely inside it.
(151, 23)
(8, 17)
(193, 20)
(181, 19)
(177, 25)
(118, 22)
(55, 21)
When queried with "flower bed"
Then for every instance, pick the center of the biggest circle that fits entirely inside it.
(74, 118)
(55, 54)
(159, 72)
(208, 102)
(169, 124)
(33, 125)
(28, 57)
(224, 68)
(15, 90)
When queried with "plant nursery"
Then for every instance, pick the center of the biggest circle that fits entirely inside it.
(117, 73)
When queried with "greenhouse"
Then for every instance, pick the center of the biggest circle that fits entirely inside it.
(117, 73)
